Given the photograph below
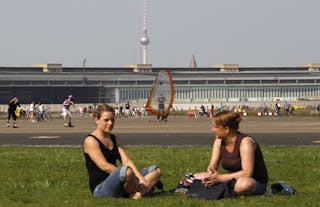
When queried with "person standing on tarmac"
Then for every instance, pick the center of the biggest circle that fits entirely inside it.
(12, 106)
(161, 107)
(66, 111)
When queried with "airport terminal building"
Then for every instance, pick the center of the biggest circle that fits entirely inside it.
(51, 83)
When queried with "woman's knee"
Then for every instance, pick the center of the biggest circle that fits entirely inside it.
(245, 186)
(158, 171)
(155, 173)
(129, 173)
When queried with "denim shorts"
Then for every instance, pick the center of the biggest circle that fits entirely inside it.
(112, 186)
(260, 188)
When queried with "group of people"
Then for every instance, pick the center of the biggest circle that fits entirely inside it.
(127, 110)
(36, 111)
(87, 111)
(238, 153)
(288, 109)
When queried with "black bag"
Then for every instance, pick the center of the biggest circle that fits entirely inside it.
(281, 188)
(214, 192)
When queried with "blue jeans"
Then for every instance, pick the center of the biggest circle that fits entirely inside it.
(260, 188)
(112, 186)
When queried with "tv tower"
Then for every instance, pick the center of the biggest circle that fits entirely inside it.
(144, 40)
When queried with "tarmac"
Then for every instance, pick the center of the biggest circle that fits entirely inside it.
(178, 131)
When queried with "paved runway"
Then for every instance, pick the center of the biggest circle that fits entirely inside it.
(178, 131)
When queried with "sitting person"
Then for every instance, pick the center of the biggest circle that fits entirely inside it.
(239, 154)
(102, 150)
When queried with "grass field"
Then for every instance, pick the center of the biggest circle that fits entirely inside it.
(55, 176)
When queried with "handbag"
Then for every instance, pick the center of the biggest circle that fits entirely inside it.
(214, 192)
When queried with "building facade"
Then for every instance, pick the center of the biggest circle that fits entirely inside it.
(219, 83)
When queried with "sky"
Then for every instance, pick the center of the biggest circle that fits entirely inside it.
(264, 33)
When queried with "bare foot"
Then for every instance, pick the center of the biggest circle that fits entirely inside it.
(136, 196)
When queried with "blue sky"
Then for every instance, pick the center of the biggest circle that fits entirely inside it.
(106, 33)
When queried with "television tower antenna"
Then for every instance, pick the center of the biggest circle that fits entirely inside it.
(144, 40)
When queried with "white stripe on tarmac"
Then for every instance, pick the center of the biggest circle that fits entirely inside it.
(44, 137)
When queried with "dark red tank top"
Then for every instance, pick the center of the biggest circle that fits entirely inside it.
(231, 161)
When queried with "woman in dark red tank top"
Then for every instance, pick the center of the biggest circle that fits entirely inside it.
(239, 154)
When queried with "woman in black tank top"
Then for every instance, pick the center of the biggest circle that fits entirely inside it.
(102, 151)
(239, 154)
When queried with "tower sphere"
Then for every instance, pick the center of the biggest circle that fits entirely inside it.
(144, 40)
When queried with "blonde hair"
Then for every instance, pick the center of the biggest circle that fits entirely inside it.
(227, 119)
(101, 108)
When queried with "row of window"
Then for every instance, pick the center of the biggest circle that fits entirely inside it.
(225, 93)
(177, 82)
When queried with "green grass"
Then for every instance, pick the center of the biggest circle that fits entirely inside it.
(57, 176)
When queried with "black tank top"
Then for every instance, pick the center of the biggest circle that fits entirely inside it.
(96, 175)
(231, 160)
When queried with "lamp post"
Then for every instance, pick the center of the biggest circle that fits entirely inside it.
(84, 65)
(83, 71)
